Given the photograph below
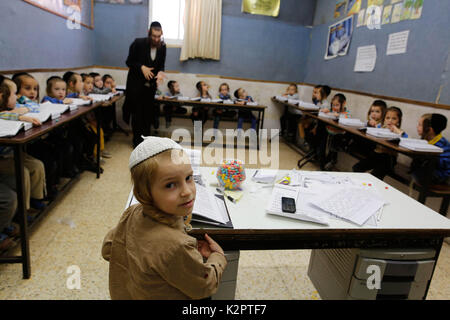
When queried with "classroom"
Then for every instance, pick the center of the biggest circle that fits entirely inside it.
(339, 106)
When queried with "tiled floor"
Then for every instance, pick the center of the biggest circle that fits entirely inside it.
(72, 234)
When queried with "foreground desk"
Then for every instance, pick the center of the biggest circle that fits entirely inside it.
(258, 108)
(405, 223)
(18, 143)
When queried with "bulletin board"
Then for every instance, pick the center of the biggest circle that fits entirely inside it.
(81, 11)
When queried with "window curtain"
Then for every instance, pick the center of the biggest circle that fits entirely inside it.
(202, 29)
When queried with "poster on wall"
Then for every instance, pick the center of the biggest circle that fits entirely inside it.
(262, 7)
(387, 14)
(77, 12)
(407, 9)
(397, 13)
(417, 9)
(339, 36)
(353, 7)
(339, 9)
(377, 3)
(361, 20)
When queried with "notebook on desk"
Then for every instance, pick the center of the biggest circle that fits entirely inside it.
(210, 208)
(10, 128)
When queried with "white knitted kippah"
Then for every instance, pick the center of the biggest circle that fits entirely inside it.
(151, 146)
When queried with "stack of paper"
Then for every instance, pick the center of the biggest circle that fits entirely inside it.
(252, 103)
(216, 100)
(183, 98)
(353, 204)
(264, 176)
(419, 145)
(382, 133)
(352, 122)
(205, 100)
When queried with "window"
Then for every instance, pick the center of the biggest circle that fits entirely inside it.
(170, 13)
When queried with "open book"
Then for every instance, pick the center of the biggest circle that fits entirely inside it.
(382, 133)
(210, 208)
(293, 101)
(419, 145)
(42, 115)
(10, 128)
(100, 97)
(281, 98)
(54, 109)
(352, 122)
(329, 115)
(80, 102)
(307, 105)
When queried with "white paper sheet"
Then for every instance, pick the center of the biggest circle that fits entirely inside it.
(366, 59)
(397, 43)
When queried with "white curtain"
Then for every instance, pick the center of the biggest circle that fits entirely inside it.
(202, 29)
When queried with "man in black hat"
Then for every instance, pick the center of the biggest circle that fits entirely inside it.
(146, 61)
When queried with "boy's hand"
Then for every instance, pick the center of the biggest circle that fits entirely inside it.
(394, 129)
(67, 101)
(203, 248)
(34, 121)
(214, 246)
(86, 98)
(372, 123)
(324, 110)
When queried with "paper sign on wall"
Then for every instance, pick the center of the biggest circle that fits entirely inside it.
(366, 58)
(397, 43)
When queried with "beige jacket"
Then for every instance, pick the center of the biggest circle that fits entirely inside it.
(151, 257)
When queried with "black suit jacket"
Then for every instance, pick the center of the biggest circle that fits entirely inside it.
(138, 56)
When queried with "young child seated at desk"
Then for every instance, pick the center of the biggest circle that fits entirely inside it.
(290, 116)
(334, 136)
(435, 170)
(174, 91)
(56, 91)
(307, 126)
(242, 98)
(224, 94)
(34, 171)
(383, 160)
(149, 252)
(109, 83)
(201, 113)
(27, 90)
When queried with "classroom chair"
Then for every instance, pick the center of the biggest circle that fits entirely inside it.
(434, 191)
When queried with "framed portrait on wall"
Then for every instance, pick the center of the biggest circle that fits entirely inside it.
(79, 11)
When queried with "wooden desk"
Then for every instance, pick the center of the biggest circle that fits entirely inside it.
(260, 109)
(354, 131)
(18, 143)
(405, 223)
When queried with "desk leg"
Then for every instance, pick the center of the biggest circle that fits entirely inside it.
(99, 120)
(21, 210)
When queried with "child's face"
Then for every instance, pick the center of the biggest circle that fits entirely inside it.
(98, 82)
(109, 83)
(291, 90)
(88, 85)
(13, 96)
(316, 94)
(176, 87)
(375, 113)
(242, 94)
(58, 90)
(336, 106)
(173, 187)
(29, 88)
(420, 127)
(223, 90)
(205, 87)
(391, 118)
(77, 86)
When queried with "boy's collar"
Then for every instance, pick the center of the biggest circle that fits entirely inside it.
(435, 139)
(162, 217)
